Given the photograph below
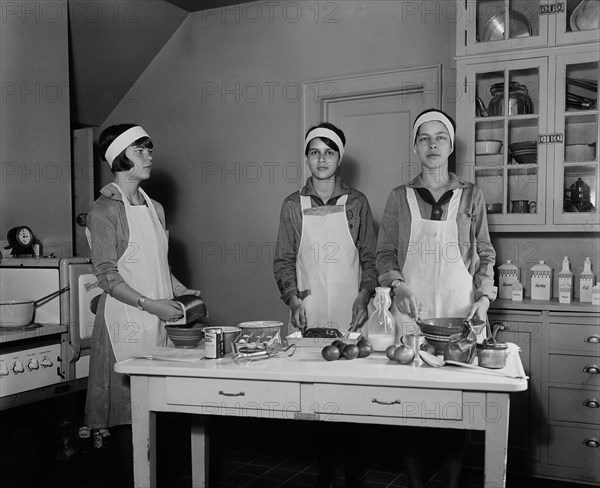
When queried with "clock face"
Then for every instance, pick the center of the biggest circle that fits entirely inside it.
(24, 237)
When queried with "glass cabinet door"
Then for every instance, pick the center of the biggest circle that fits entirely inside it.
(577, 21)
(577, 183)
(509, 112)
(493, 25)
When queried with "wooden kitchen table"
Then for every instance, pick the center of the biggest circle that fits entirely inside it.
(370, 390)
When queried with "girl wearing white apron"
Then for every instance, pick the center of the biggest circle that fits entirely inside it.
(126, 233)
(434, 251)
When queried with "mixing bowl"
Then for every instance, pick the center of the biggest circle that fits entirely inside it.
(185, 337)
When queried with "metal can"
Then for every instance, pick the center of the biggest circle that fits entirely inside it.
(214, 344)
(85, 438)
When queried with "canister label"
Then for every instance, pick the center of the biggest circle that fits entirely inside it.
(214, 344)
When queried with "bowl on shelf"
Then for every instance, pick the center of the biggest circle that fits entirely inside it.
(185, 337)
(493, 208)
(488, 146)
(578, 153)
(524, 152)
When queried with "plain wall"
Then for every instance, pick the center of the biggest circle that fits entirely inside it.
(35, 154)
(221, 103)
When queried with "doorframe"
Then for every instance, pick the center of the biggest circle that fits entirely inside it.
(317, 94)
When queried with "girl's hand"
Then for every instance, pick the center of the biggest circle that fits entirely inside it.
(187, 291)
(480, 308)
(406, 301)
(164, 309)
(359, 310)
(298, 318)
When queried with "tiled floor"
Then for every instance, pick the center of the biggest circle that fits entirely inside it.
(244, 453)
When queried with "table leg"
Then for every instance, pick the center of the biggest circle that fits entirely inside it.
(199, 440)
(144, 434)
(496, 439)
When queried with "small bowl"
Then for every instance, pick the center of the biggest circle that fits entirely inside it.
(493, 208)
(488, 146)
(185, 337)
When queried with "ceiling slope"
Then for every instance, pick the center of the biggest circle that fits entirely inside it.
(110, 45)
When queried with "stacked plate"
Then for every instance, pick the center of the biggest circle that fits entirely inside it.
(524, 152)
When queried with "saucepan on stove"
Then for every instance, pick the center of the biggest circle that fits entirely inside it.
(20, 313)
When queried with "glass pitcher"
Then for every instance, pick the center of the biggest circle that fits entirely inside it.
(380, 329)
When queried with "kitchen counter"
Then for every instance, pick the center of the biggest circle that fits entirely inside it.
(305, 387)
(550, 305)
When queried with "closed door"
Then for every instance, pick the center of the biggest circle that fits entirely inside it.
(379, 152)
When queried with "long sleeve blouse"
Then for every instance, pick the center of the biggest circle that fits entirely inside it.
(475, 245)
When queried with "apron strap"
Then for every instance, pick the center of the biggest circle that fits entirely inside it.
(412, 204)
(453, 206)
(305, 202)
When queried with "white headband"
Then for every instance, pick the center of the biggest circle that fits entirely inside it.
(429, 117)
(323, 132)
(123, 142)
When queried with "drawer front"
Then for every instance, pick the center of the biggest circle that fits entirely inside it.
(570, 405)
(570, 369)
(576, 338)
(233, 394)
(389, 402)
(574, 447)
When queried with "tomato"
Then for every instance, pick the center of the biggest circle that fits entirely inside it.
(330, 353)
(340, 345)
(389, 352)
(404, 354)
(364, 348)
(351, 351)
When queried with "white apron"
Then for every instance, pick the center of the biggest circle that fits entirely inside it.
(144, 267)
(327, 266)
(434, 269)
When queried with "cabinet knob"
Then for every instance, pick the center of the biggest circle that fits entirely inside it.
(591, 369)
(591, 403)
(594, 339)
(593, 442)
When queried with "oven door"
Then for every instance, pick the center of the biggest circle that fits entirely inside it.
(77, 314)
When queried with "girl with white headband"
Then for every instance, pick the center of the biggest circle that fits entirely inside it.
(434, 251)
(324, 261)
(128, 240)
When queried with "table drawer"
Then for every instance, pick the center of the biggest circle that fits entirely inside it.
(389, 402)
(234, 394)
(570, 369)
(574, 447)
(570, 405)
(576, 338)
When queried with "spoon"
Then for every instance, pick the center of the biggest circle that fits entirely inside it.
(437, 362)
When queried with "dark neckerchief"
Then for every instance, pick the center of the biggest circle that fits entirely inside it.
(436, 207)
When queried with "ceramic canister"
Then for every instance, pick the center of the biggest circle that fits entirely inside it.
(541, 281)
(508, 275)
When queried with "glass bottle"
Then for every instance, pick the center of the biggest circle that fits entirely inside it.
(565, 282)
(380, 328)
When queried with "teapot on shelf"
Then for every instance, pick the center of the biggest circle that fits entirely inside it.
(519, 101)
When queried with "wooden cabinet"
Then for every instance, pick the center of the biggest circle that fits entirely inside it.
(529, 118)
(554, 428)
(481, 25)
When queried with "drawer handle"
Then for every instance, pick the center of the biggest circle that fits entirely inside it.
(594, 339)
(591, 369)
(382, 402)
(241, 393)
(593, 442)
(591, 403)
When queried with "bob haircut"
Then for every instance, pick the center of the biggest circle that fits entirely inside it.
(121, 162)
(328, 142)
